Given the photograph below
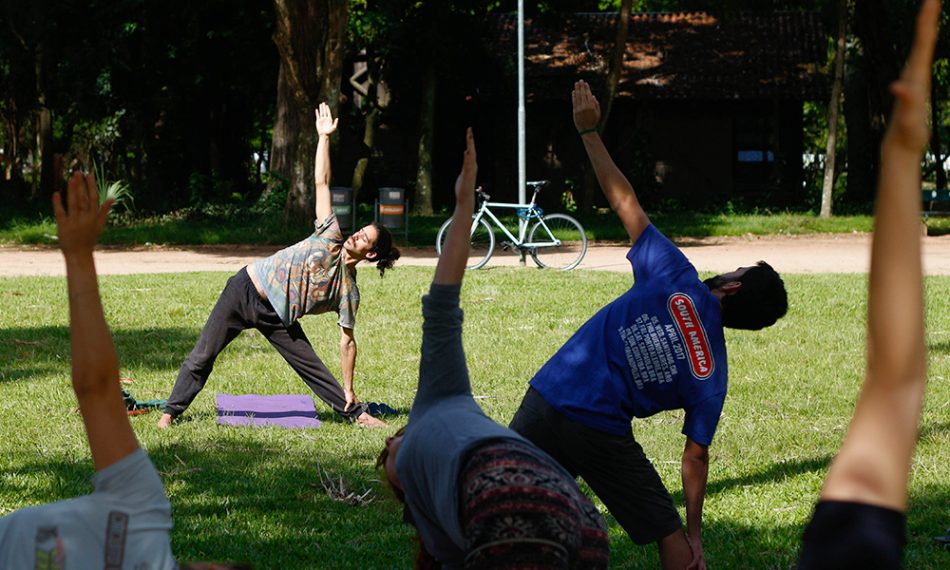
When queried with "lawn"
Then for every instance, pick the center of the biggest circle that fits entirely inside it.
(256, 495)
(196, 227)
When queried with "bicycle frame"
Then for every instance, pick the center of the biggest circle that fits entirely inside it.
(520, 240)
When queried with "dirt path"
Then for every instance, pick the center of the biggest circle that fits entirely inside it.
(839, 253)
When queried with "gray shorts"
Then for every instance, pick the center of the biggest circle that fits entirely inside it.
(614, 466)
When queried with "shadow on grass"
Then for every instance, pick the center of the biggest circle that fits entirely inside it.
(31, 351)
(240, 500)
(243, 500)
(732, 542)
(774, 473)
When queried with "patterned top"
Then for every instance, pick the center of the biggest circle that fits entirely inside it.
(309, 277)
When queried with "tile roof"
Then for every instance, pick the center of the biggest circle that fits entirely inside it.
(690, 55)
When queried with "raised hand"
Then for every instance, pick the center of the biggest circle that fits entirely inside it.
(586, 107)
(451, 266)
(908, 127)
(326, 124)
(80, 223)
(465, 183)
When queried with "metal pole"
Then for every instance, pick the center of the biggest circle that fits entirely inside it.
(522, 178)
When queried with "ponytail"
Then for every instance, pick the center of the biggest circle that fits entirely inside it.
(386, 254)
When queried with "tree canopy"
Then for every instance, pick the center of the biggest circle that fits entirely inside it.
(183, 100)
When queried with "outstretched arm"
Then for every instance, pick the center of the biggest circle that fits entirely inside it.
(616, 187)
(326, 125)
(874, 462)
(451, 266)
(695, 472)
(347, 366)
(95, 366)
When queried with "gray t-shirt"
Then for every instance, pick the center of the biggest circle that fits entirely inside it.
(123, 524)
(444, 424)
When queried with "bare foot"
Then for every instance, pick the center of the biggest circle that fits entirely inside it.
(368, 421)
(165, 421)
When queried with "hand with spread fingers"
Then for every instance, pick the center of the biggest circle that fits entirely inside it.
(82, 220)
(326, 124)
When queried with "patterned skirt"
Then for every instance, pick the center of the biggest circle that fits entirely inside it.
(519, 509)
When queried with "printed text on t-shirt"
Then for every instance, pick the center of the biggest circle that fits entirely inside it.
(652, 350)
(691, 328)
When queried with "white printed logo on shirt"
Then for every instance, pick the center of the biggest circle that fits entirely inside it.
(684, 314)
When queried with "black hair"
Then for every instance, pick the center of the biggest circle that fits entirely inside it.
(424, 559)
(381, 462)
(386, 254)
(759, 303)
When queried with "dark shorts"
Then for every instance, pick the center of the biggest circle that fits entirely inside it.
(614, 467)
(520, 510)
(844, 535)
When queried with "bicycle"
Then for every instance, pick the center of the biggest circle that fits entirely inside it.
(555, 241)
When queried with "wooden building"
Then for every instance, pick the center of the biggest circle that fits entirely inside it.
(708, 109)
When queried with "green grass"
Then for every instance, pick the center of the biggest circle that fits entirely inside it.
(225, 226)
(254, 495)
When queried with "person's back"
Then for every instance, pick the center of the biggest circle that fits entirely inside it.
(659, 346)
(124, 523)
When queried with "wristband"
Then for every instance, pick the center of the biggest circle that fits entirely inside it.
(590, 130)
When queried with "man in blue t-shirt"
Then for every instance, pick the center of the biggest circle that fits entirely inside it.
(659, 346)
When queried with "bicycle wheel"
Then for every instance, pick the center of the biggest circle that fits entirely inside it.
(482, 244)
(573, 242)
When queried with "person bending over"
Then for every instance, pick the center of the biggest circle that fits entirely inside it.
(659, 346)
(125, 522)
(479, 495)
(859, 520)
(314, 276)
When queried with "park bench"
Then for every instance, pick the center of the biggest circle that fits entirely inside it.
(935, 203)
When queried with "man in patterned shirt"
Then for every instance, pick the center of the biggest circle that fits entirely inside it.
(316, 275)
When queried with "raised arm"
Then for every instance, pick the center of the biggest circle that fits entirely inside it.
(326, 125)
(874, 462)
(451, 266)
(95, 366)
(618, 190)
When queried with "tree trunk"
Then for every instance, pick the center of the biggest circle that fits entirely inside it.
(310, 36)
(44, 130)
(369, 105)
(935, 146)
(833, 107)
(613, 80)
(11, 158)
(369, 144)
(423, 205)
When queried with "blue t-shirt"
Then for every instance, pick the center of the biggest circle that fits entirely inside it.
(659, 346)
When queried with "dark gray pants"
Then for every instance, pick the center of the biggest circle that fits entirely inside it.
(241, 307)
(614, 466)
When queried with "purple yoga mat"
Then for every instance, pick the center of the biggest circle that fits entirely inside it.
(282, 410)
